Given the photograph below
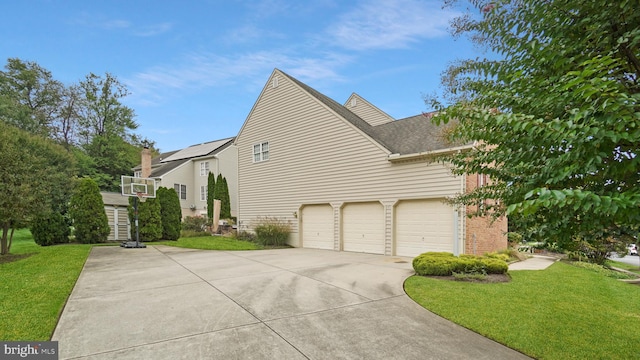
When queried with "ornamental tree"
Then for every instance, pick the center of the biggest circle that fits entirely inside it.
(555, 117)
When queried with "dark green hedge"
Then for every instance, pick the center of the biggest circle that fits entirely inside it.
(445, 264)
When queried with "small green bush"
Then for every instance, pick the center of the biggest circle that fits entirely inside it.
(50, 228)
(194, 223)
(514, 238)
(246, 236)
(495, 266)
(272, 231)
(446, 264)
(498, 255)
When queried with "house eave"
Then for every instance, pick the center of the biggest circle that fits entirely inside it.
(427, 155)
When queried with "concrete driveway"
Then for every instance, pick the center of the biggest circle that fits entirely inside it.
(171, 303)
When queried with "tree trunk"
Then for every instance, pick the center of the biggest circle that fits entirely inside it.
(4, 247)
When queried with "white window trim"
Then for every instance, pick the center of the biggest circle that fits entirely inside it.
(179, 189)
(203, 192)
(204, 168)
(260, 152)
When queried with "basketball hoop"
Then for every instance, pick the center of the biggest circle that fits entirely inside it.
(141, 196)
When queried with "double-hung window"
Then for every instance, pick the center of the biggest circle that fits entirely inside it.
(203, 193)
(261, 152)
(181, 190)
(204, 168)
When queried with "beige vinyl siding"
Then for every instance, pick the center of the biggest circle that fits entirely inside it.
(366, 111)
(317, 157)
(183, 175)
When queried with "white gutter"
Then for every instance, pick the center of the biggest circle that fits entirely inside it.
(428, 154)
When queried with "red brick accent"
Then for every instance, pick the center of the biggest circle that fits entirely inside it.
(483, 234)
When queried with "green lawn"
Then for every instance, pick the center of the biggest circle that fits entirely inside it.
(564, 312)
(210, 243)
(34, 288)
(625, 266)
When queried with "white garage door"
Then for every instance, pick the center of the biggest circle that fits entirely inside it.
(317, 227)
(363, 228)
(421, 226)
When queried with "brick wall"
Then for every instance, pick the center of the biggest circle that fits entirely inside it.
(483, 234)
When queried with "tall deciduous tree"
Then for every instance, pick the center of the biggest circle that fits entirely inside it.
(34, 179)
(88, 214)
(556, 117)
(29, 96)
(105, 130)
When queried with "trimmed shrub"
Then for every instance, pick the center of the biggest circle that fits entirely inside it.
(49, 229)
(495, 266)
(88, 214)
(272, 231)
(446, 264)
(170, 213)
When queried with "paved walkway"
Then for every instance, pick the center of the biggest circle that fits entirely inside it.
(171, 303)
(535, 262)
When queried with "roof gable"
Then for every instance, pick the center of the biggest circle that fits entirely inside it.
(415, 134)
(367, 111)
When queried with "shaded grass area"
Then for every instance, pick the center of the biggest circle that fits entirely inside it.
(625, 266)
(563, 312)
(210, 243)
(36, 282)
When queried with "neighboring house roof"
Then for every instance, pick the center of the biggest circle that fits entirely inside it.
(165, 162)
(113, 198)
(208, 148)
(415, 134)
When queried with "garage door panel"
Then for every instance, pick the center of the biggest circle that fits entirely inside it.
(421, 226)
(317, 227)
(363, 228)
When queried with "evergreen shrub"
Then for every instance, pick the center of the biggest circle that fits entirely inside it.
(49, 229)
(88, 214)
(170, 213)
(446, 264)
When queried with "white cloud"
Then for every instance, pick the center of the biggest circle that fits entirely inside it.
(390, 24)
(152, 30)
(209, 70)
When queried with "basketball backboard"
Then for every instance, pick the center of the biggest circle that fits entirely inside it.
(135, 186)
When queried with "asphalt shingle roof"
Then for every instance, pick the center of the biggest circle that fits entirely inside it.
(410, 135)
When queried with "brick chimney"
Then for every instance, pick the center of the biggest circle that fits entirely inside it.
(146, 162)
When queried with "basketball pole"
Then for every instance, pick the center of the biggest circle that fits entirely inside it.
(135, 211)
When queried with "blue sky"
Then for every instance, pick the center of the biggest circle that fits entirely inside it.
(195, 68)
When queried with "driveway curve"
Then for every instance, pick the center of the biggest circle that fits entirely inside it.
(171, 303)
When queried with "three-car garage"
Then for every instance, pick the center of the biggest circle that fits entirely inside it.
(416, 226)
